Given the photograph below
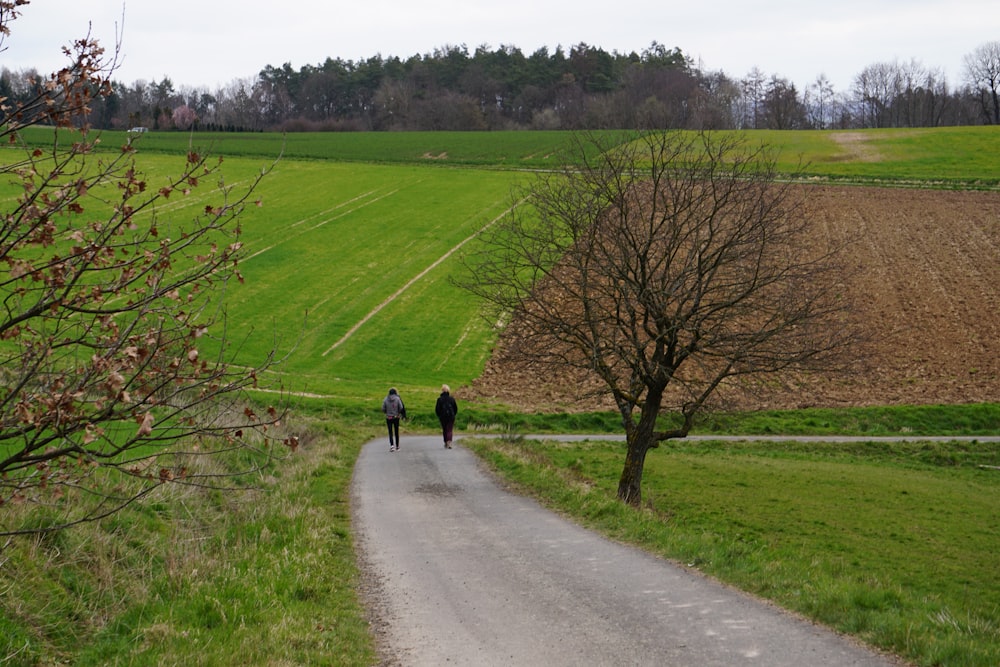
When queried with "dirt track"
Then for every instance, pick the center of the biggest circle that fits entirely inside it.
(926, 291)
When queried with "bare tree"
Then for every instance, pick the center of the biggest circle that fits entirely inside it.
(922, 96)
(982, 69)
(821, 101)
(875, 89)
(669, 265)
(753, 87)
(110, 314)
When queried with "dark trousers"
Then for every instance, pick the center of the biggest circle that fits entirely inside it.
(393, 425)
(447, 426)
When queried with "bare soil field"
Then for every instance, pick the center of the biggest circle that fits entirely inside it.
(926, 291)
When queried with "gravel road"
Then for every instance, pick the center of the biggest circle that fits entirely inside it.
(461, 572)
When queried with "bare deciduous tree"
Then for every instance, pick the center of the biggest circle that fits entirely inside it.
(108, 389)
(669, 265)
(820, 101)
(982, 69)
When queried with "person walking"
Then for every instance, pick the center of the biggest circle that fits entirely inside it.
(392, 406)
(446, 410)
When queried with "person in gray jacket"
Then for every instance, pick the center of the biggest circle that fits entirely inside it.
(392, 406)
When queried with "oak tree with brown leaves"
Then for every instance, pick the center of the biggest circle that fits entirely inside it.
(107, 389)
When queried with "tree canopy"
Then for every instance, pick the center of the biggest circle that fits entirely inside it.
(498, 88)
(668, 266)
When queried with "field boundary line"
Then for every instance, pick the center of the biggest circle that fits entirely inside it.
(395, 295)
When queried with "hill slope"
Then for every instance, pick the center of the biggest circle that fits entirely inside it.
(926, 293)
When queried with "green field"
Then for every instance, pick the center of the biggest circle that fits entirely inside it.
(349, 256)
(950, 156)
(346, 277)
(348, 269)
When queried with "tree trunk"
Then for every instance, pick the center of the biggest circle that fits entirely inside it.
(630, 484)
(640, 440)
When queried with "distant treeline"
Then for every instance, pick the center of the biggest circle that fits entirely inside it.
(496, 89)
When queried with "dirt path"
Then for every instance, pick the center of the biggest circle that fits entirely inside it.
(462, 572)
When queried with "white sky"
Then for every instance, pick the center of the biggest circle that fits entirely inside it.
(210, 43)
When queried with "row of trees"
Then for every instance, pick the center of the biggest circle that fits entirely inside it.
(584, 88)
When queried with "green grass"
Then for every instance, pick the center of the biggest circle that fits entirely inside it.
(908, 421)
(933, 157)
(254, 577)
(897, 546)
(959, 157)
(347, 271)
(361, 291)
(504, 150)
(981, 419)
(349, 235)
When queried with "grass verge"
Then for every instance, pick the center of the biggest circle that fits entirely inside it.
(262, 576)
(915, 420)
(897, 546)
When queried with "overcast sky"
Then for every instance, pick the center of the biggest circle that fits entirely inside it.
(208, 43)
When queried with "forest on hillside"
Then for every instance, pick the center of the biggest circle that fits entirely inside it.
(586, 87)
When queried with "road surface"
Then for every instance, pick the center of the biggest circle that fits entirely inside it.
(462, 572)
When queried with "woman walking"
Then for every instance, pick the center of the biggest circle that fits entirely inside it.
(446, 409)
(392, 406)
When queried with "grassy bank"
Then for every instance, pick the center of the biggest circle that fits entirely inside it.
(897, 545)
(259, 576)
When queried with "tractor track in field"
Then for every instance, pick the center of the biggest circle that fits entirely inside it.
(415, 279)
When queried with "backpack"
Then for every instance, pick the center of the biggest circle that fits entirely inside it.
(393, 406)
(447, 410)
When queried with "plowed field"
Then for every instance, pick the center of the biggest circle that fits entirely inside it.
(926, 293)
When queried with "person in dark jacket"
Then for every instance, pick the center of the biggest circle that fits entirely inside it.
(446, 409)
(392, 406)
